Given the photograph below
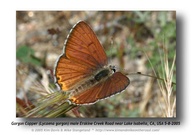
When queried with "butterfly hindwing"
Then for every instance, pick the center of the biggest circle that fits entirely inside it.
(113, 85)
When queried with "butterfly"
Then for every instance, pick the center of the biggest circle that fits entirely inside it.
(83, 71)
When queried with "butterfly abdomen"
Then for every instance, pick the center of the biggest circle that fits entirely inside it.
(99, 77)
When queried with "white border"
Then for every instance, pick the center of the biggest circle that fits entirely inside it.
(8, 41)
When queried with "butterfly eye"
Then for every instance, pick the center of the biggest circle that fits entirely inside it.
(113, 68)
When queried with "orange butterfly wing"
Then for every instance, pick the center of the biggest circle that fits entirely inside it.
(114, 84)
(83, 55)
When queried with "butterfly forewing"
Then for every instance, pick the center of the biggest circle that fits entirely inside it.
(82, 56)
(84, 47)
(69, 73)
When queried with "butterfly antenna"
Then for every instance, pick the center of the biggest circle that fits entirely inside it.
(156, 76)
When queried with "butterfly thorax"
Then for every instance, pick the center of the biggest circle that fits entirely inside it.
(95, 79)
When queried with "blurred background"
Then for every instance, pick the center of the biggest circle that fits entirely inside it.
(129, 39)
